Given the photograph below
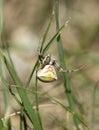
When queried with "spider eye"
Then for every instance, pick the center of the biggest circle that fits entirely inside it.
(47, 74)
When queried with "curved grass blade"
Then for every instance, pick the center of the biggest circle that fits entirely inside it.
(67, 108)
(23, 95)
(54, 38)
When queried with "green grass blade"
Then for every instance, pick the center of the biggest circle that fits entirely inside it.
(1, 17)
(37, 102)
(30, 77)
(14, 96)
(5, 124)
(62, 61)
(23, 95)
(67, 108)
(46, 32)
(1, 124)
(5, 96)
(93, 106)
(4, 86)
(23, 123)
(54, 38)
(8, 124)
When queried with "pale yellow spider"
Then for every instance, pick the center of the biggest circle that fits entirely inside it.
(46, 72)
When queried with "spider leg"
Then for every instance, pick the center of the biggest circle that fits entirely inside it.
(74, 70)
(60, 69)
(57, 66)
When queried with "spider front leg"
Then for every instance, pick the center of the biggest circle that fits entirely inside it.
(60, 69)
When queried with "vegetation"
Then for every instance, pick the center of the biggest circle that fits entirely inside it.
(73, 109)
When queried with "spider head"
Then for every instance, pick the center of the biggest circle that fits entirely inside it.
(45, 60)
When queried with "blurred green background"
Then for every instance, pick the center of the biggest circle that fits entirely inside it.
(24, 24)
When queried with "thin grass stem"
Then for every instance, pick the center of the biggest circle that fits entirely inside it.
(93, 106)
(62, 61)
(37, 102)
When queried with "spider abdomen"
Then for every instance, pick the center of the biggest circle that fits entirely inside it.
(47, 73)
